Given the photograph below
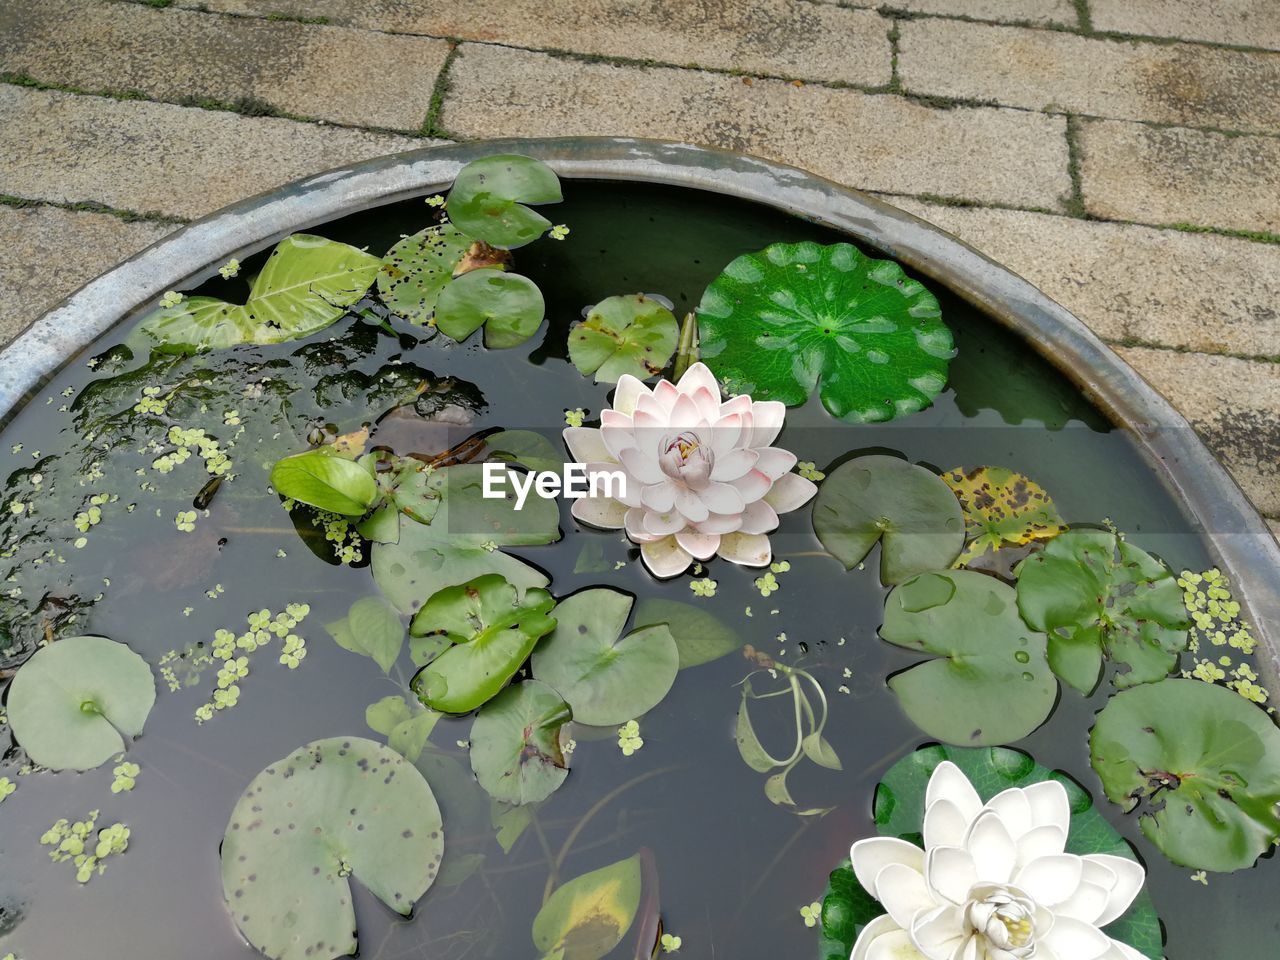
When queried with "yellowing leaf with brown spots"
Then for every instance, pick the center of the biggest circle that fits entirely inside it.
(1001, 507)
(588, 916)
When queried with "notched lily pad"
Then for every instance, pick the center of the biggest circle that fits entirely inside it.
(488, 199)
(991, 682)
(906, 508)
(628, 334)
(509, 307)
(796, 317)
(1093, 593)
(1199, 763)
(331, 810)
(415, 271)
(73, 703)
(1002, 507)
(516, 743)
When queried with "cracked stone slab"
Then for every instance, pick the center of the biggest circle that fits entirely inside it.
(1234, 406)
(876, 142)
(1249, 23)
(331, 73)
(35, 271)
(157, 157)
(787, 38)
(1130, 171)
(1178, 83)
(1055, 12)
(1190, 291)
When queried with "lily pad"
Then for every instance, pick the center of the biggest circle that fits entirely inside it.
(628, 334)
(509, 307)
(371, 628)
(326, 481)
(1002, 507)
(1199, 763)
(73, 703)
(307, 283)
(526, 447)
(516, 750)
(406, 724)
(991, 682)
(331, 810)
(588, 916)
(415, 271)
(846, 909)
(606, 677)
(907, 508)
(488, 199)
(493, 628)
(1094, 593)
(796, 317)
(700, 636)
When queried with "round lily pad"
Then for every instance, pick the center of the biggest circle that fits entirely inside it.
(331, 810)
(907, 508)
(796, 317)
(628, 334)
(1002, 507)
(1199, 763)
(1093, 592)
(606, 677)
(73, 703)
(418, 268)
(488, 199)
(509, 307)
(991, 683)
(516, 751)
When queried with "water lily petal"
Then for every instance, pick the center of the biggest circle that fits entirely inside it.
(1051, 880)
(903, 893)
(759, 517)
(774, 461)
(633, 522)
(585, 444)
(664, 524)
(625, 489)
(950, 872)
(1087, 903)
(665, 558)
(666, 394)
(685, 415)
(660, 496)
(1129, 880)
(702, 546)
(721, 523)
(752, 485)
(615, 432)
(708, 404)
(628, 391)
(1041, 842)
(645, 469)
(940, 932)
(969, 951)
(1013, 808)
(747, 549)
(692, 506)
(790, 492)
(944, 825)
(1122, 951)
(994, 853)
(722, 498)
(699, 377)
(723, 434)
(873, 854)
(881, 929)
(947, 781)
(1049, 804)
(1078, 940)
(740, 404)
(734, 464)
(767, 417)
(603, 512)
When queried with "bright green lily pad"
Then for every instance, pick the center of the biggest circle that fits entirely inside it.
(331, 810)
(1200, 764)
(418, 268)
(488, 199)
(700, 636)
(1092, 592)
(587, 917)
(628, 334)
(73, 703)
(846, 909)
(907, 508)
(326, 481)
(991, 683)
(493, 627)
(516, 750)
(606, 677)
(371, 628)
(509, 307)
(796, 317)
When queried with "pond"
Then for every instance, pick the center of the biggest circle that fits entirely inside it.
(139, 507)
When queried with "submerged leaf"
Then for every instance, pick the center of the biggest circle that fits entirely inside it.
(487, 199)
(1002, 507)
(516, 748)
(1202, 766)
(331, 810)
(628, 334)
(905, 507)
(371, 628)
(700, 636)
(73, 702)
(798, 316)
(588, 916)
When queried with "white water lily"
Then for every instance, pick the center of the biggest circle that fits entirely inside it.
(993, 882)
(701, 477)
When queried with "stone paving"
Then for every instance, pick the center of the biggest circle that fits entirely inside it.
(1123, 155)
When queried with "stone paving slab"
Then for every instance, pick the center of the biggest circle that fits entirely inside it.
(1250, 23)
(47, 253)
(876, 142)
(1200, 292)
(156, 157)
(1178, 83)
(1234, 406)
(1131, 171)
(787, 38)
(1060, 12)
(331, 73)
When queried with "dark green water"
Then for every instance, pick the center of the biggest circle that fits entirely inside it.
(734, 869)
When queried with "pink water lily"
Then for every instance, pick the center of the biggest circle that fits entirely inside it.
(993, 882)
(701, 477)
